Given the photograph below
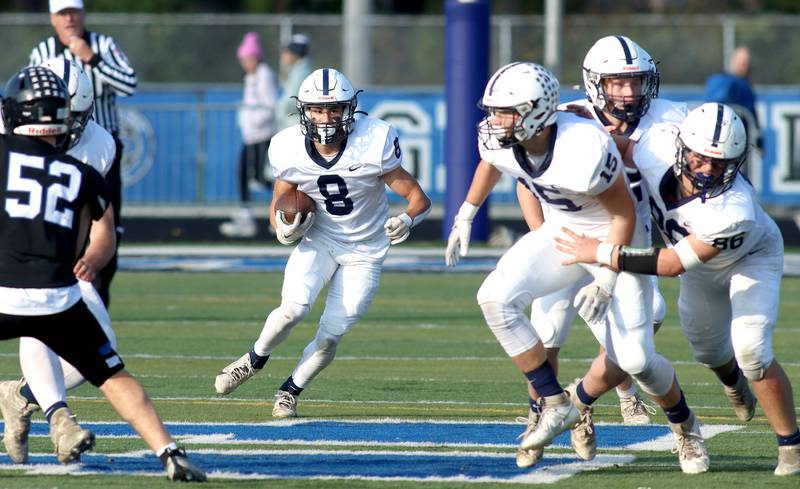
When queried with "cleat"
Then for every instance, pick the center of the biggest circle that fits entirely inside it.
(17, 412)
(635, 411)
(690, 446)
(788, 460)
(234, 375)
(582, 435)
(528, 458)
(69, 439)
(558, 415)
(742, 399)
(242, 225)
(179, 468)
(285, 405)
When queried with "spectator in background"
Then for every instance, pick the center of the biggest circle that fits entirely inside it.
(256, 120)
(111, 75)
(295, 67)
(733, 88)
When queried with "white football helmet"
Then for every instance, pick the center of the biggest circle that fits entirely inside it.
(619, 57)
(528, 89)
(327, 87)
(712, 130)
(81, 93)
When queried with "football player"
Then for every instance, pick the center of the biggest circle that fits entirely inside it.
(49, 202)
(621, 82)
(46, 376)
(728, 253)
(574, 168)
(344, 163)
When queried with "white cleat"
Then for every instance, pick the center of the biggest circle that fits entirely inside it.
(788, 460)
(558, 415)
(285, 405)
(528, 458)
(17, 412)
(241, 226)
(690, 446)
(234, 375)
(635, 412)
(582, 435)
(742, 399)
(69, 439)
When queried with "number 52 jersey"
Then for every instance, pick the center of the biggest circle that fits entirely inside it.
(350, 195)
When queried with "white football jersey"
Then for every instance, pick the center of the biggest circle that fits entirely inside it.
(348, 190)
(96, 147)
(734, 222)
(660, 111)
(582, 162)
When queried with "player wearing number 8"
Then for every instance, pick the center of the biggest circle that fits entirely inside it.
(344, 164)
(728, 253)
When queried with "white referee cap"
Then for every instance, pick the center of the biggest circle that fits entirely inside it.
(59, 5)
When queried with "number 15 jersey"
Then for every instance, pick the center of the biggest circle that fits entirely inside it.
(350, 195)
(582, 162)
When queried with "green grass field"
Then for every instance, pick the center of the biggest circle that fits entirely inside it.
(422, 352)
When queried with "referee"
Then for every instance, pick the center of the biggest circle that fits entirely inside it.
(111, 75)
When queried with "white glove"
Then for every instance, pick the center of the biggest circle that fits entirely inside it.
(459, 234)
(289, 233)
(593, 300)
(457, 242)
(398, 228)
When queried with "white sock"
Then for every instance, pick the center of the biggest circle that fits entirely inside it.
(627, 393)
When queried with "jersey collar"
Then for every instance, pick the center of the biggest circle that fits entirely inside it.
(522, 156)
(601, 117)
(319, 159)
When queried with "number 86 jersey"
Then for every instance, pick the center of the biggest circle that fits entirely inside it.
(350, 195)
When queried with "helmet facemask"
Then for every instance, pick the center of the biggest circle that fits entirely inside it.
(327, 132)
(707, 186)
(630, 109)
(525, 125)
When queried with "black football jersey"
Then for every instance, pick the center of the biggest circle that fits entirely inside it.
(42, 194)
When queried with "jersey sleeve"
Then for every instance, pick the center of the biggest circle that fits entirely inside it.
(730, 218)
(607, 168)
(392, 154)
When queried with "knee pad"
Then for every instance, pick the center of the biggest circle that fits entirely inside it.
(292, 313)
(510, 326)
(752, 344)
(657, 378)
(633, 361)
(326, 341)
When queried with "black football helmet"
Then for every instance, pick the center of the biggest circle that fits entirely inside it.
(36, 103)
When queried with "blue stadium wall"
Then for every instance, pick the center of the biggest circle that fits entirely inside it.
(182, 146)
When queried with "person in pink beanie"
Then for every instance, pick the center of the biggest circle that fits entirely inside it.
(255, 118)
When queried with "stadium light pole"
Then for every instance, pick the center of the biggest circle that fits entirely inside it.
(356, 46)
(553, 35)
(466, 72)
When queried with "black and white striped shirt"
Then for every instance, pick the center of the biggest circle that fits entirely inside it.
(109, 70)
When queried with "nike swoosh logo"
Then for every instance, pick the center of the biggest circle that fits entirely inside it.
(755, 251)
(355, 167)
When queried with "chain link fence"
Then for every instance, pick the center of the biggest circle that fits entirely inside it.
(408, 51)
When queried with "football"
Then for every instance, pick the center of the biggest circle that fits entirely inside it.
(292, 202)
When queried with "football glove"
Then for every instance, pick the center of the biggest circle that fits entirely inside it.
(289, 233)
(594, 300)
(458, 241)
(179, 468)
(398, 228)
